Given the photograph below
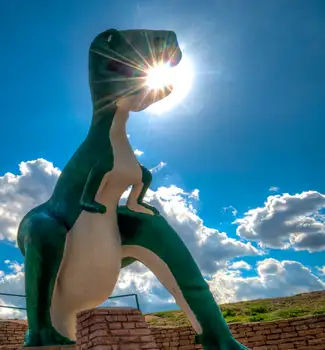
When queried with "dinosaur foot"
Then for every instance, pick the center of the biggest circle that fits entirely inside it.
(45, 337)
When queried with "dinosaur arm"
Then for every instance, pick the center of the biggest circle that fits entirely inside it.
(92, 184)
(138, 191)
(146, 180)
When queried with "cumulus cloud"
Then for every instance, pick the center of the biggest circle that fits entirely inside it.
(240, 265)
(137, 152)
(274, 279)
(232, 209)
(13, 283)
(20, 193)
(274, 189)
(321, 269)
(158, 167)
(141, 281)
(195, 194)
(210, 247)
(287, 221)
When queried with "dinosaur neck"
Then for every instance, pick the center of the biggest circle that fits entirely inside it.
(119, 122)
(100, 126)
(111, 122)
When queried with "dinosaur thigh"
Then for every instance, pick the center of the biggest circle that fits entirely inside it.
(89, 269)
(152, 241)
(164, 274)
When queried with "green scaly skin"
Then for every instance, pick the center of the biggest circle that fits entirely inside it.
(42, 232)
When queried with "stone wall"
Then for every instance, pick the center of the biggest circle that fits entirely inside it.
(179, 338)
(304, 333)
(103, 329)
(12, 334)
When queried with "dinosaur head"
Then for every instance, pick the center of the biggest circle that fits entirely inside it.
(119, 61)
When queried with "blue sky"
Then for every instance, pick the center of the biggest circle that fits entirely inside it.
(254, 117)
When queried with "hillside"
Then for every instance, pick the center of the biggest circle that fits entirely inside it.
(252, 311)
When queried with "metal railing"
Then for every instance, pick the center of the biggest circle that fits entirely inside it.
(24, 296)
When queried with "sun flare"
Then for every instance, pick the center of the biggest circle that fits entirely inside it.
(179, 77)
(159, 76)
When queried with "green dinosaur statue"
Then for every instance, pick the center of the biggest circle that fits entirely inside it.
(76, 242)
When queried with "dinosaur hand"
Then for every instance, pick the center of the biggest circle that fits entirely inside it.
(94, 207)
(150, 207)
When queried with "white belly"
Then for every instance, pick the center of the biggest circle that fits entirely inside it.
(91, 253)
(89, 269)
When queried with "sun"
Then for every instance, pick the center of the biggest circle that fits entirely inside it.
(180, 77)
(159, 76)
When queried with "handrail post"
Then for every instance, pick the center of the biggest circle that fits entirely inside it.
(137, 301)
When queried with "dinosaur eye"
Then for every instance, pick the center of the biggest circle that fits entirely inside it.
(120, 68)
(157, 41)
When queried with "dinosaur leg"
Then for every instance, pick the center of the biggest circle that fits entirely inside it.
(151, 240)
(42, 240)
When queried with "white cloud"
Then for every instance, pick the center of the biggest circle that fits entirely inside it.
(274, 189)
(158, 167)
(287, 221)
(232, 209)
(20, 193)
(137, 152)
(321, 269)
(140, 280)
(195, 194)
(210, 247)
(13, 283)
(240, 265)
(274, 279)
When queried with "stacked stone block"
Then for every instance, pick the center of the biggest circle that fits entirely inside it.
(12, 334)
(113, 329)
